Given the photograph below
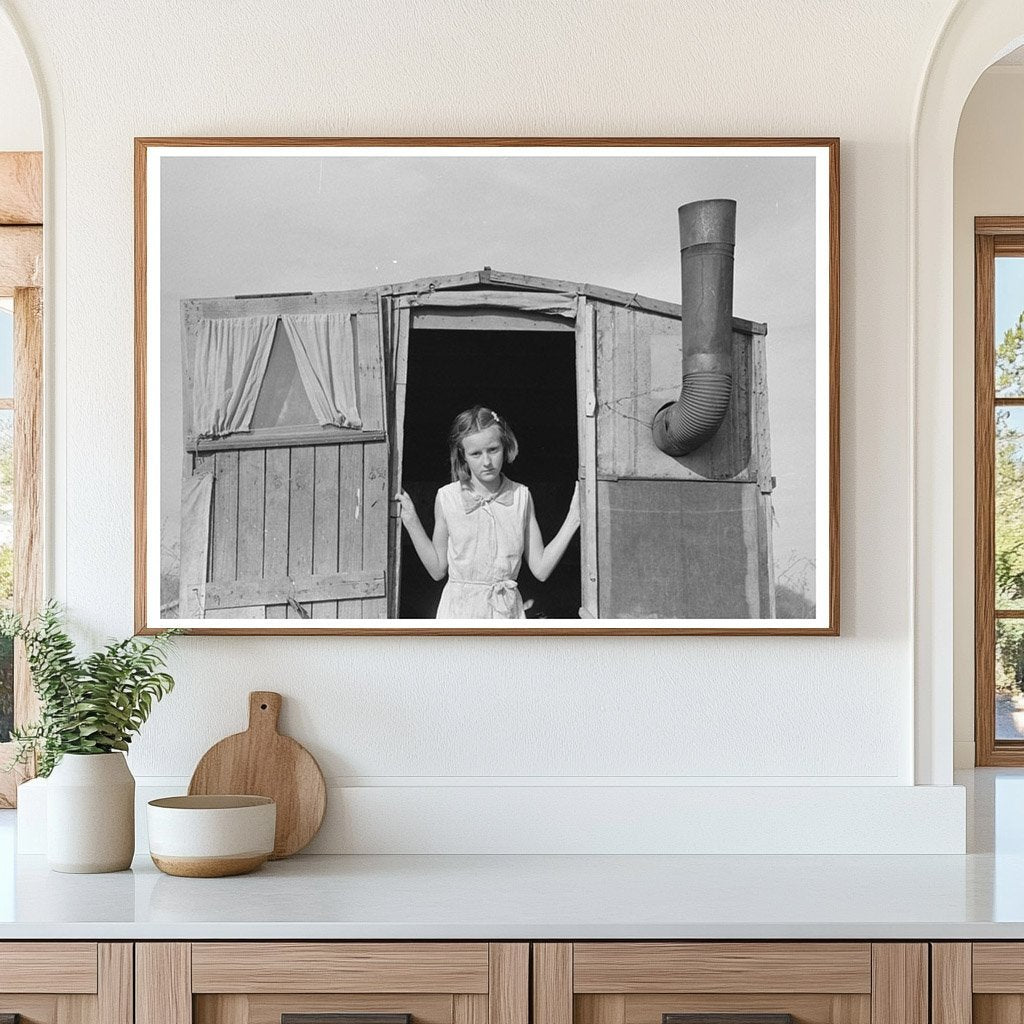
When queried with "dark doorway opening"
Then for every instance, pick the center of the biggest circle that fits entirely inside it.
(529, 378)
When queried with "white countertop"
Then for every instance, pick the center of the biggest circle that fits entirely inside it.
(977, 896)
(516, 897)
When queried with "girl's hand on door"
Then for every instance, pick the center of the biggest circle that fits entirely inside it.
(572, 517)
(407, 509)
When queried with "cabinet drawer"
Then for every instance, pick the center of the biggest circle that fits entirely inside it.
(998, 968)
(340, 967)
(332, 983)
(632, 967)
(66, 967)
(66, 982)
(980, 982)
(641, 982)
(733, 982)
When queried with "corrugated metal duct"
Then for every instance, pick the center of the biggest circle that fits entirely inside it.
(707, 239)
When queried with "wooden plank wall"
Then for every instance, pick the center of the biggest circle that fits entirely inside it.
(372, 507)
(765, 479)
(309, 510)
(685, 537)
(297, 511)
(639, 369)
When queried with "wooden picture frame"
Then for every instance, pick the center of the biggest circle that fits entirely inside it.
(270, 273)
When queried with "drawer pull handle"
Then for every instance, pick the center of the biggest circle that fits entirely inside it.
(727, 1018)
(341, 1018)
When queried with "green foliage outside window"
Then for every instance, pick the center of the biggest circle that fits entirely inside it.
(1009, 510)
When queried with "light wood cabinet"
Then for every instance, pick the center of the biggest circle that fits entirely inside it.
(512, 982)
(66, 982)
(652, 982)
(260, 982)
(978, 982)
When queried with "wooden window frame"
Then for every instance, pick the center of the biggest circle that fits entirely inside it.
(21, 270)
(283, 437)
(993, 237)
(288, 436)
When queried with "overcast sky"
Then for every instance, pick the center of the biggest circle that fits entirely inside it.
(255, 224)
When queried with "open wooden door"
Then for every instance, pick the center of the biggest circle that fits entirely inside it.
(396, 318)
(586, 390)
(289, 519)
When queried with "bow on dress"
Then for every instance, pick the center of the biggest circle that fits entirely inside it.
(501, 594)
(472, 500)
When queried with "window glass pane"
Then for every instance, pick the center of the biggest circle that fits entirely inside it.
(282, 400)
(6, 353)
(6, 567)
(1009, 532)
(1009, 679)
(1009, 323)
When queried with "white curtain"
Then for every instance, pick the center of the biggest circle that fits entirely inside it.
(230, 364)
(325, 355)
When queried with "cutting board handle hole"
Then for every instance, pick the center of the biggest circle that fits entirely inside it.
(263, 707)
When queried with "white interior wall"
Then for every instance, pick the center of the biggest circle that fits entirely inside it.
(436, 718)
(989, 155)
(21, 127)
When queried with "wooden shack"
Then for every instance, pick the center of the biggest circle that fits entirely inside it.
(293, 517)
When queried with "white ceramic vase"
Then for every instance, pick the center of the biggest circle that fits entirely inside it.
(90, 814)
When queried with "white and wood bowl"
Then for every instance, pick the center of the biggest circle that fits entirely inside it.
(211, 836)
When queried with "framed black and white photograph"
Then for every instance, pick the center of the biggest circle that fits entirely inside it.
(487, 385)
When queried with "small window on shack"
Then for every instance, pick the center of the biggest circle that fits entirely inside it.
(266, 381)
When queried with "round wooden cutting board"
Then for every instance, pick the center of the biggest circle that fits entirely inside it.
(262, 762)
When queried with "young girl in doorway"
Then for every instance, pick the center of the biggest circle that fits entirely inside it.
(483, 524)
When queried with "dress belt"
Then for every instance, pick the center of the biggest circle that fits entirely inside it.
(501, 594)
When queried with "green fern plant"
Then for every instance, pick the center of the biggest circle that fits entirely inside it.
(89, 705)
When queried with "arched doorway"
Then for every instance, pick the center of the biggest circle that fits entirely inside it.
(977, 33)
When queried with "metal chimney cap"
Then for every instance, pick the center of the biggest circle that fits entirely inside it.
(707, 220)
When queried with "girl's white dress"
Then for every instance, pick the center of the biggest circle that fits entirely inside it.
(486, 535)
